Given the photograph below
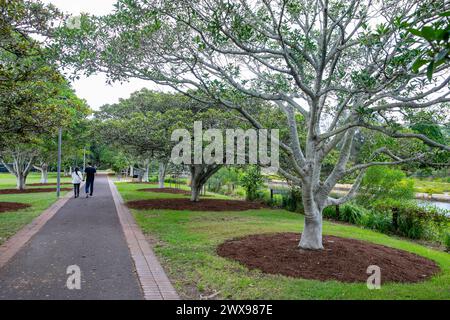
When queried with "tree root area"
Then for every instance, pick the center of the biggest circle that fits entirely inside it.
(343, 259)
(34, 190)
(202, 205)
(12, 206)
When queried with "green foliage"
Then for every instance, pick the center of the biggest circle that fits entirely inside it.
(35, 99)
(292, 201)
(252, 181)
(191, 238)
(431, 124)
(379, 221)
(414, 221)
(432, 37)
(348, 212)
(446, 240)
(382, 183)
(119, 163)
(169, 180)
(225, 181)
(391, 216)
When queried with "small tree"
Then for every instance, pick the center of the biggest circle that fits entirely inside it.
(19, 162)
(380, 184)
(119, 163)
(252, 181)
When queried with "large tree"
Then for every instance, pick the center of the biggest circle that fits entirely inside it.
(29, 86)
(142, 127)
(341, 65)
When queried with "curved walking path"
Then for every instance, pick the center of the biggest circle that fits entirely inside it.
(99, 236)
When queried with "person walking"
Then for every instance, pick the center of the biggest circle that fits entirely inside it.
(90, 172)
(77, 177)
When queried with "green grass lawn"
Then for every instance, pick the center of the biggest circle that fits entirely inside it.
(186, 243)
(11, 222)
(7, 180)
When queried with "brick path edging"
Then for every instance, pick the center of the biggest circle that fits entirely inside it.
(17, 241)
(154, 281)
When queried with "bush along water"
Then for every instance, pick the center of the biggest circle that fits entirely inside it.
(447, 241)
(391, 217)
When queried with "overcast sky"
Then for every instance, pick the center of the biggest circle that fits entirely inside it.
(94, 89)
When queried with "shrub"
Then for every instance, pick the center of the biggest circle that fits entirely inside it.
(276, 201)
(446, 240)
(406, 219)
(292, 201)
(330, 213)
(377, 221)
(410, 220)
(430, 191)
(119, 162)
(349, 212)
(167, 179)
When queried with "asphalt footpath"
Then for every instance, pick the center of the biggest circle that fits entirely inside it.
(80, 253)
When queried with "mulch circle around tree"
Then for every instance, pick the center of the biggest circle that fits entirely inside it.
(165, 190)
(12, 206)
(137, 182)
(343, 259)
(46, 184)
(203, 205)
(33, 190)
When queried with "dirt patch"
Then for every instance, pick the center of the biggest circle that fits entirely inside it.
(202, 205)
(165, 190)
(34, 190)
(12, 206)
(343, 259)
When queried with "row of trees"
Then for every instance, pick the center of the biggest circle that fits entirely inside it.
(141, 127)
(350, 85)
(343, 67)
(35, 98)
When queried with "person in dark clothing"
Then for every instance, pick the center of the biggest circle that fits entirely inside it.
(89, 172)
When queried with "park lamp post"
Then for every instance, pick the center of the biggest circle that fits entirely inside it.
(84, 159)
(58, 177)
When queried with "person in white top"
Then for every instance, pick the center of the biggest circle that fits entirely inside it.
(77, 177)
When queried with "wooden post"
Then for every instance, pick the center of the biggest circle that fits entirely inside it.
(395, 218)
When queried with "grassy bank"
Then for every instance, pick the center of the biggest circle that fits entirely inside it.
(186, 243)
(7, 180)
(430, 186)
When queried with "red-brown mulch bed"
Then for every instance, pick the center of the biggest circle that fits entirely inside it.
(137, 182)
(33, 190)
(12, 206)
(165, 190)
(46, 184)
(343, 259)
(202, 205)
